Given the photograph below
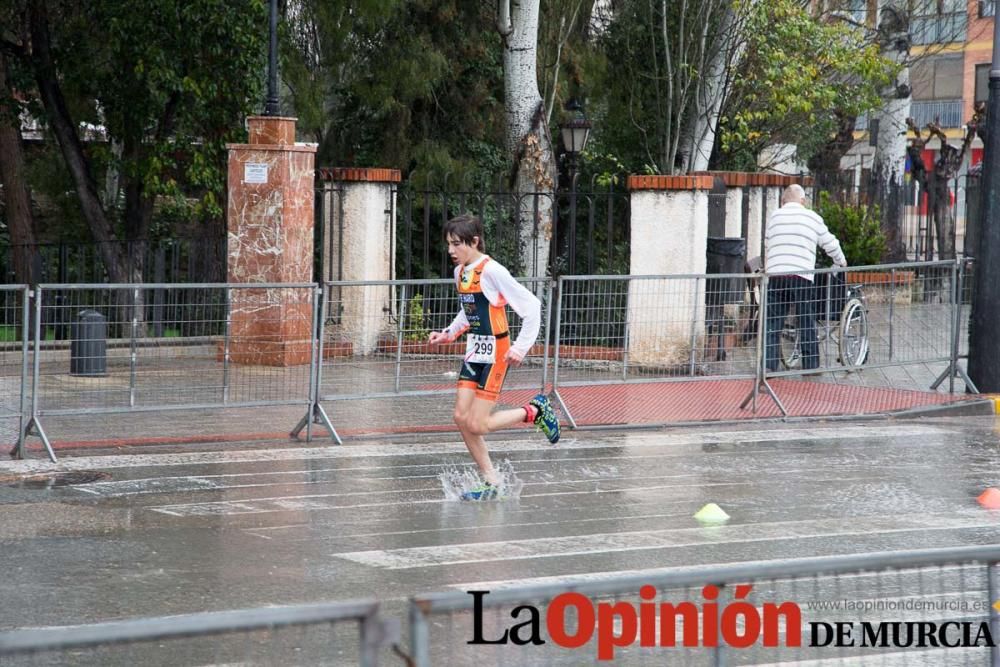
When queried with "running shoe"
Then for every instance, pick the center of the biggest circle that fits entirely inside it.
(484, 491)
(546, 420)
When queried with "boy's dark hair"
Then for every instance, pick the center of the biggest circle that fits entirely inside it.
(465, 228)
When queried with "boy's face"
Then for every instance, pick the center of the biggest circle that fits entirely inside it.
(460, 251)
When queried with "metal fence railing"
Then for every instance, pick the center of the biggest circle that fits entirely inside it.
(15, 334)
(118, 349)
(625, 329)
(785, 612)
(375, 333)
(174, 260)
(921, 607)
(339, 633)
(133, 348)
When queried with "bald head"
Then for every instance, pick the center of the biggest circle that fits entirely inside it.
(793, 194)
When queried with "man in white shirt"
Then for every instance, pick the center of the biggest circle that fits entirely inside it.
(790, 241)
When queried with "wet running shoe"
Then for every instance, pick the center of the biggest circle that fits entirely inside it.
(546, 420)
(484, 491)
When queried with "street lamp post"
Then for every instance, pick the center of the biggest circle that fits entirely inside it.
(575, 131)
(271, 104)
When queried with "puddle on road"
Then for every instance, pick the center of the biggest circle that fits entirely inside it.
(50, 480)
(457, 480)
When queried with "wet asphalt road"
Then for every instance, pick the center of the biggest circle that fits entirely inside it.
(176, 531)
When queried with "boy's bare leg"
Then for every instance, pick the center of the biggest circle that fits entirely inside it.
(467, 408)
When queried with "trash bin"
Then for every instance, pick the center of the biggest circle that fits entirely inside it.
(726, 255)
(88, 348)
(723, 255)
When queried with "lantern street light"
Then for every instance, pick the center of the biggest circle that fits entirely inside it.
(575, 130)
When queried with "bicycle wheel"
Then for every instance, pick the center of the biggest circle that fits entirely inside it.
(853, 344)
(791, 351)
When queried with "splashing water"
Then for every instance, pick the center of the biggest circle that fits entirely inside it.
(456, 480)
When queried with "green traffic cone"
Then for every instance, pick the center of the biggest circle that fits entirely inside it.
(711, 513)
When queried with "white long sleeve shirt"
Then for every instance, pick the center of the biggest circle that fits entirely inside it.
(500, 289)
(790, 241)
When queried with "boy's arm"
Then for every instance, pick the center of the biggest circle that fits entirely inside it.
(523, 302)
(457, 327)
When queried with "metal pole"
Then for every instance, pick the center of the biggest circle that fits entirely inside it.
(694, 329)
(956, 286)
(420, 637)
(36, 369)
(761, 340)
(984, 363)
(225, 346)
(548, 334)
(826, 316)
(313, 349)
(399, 333)
(892, 308)
(572, 217)
(35, 388)
(560, 287)
(132, 346)
(271, 104)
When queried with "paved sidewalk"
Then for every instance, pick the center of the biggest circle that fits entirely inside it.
(622, 404)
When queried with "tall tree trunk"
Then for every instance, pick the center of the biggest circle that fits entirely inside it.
(64, 130)
(527, 133)
(944, 222)
(825, 165)
(890, 149)
(702, 123)
(15, 189)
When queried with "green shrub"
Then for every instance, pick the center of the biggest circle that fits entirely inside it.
(857, 227)
(415, 325)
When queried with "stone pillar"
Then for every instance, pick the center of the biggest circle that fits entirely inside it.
(270, 227)
(757, 196)
(360, 245)
(666, 316)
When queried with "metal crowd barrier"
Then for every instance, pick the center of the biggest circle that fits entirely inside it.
(339, 633)
(374, 342)
(867, 317)
(131, 348)
(927, 607)
(727, 614)
(15, 332)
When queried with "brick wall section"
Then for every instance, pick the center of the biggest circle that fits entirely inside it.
(360, 174)
(669, 182)
(703, 180)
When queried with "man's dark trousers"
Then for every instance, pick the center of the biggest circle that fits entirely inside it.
(782, 293)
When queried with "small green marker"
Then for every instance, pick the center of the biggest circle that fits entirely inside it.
(711, 513)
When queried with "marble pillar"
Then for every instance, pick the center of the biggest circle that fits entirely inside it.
(270, 227)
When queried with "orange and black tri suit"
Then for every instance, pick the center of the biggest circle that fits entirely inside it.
(485, 319)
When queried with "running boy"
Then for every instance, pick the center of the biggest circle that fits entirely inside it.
(484, 287)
